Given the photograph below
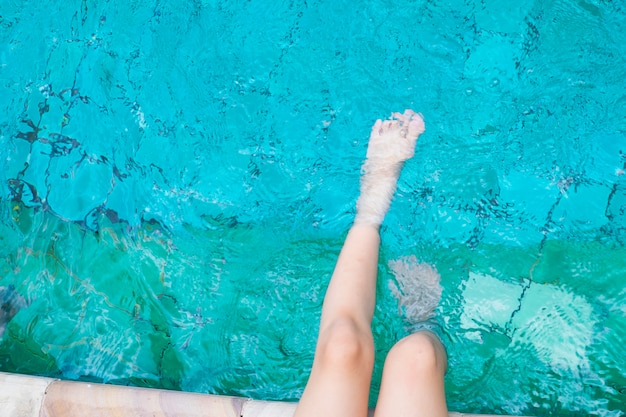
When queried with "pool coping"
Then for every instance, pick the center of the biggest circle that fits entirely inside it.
(33, 396)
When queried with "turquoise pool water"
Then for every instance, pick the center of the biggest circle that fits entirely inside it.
(177, 179)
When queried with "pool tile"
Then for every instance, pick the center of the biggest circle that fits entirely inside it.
(72, 399)
(21, 395)
(255, 408)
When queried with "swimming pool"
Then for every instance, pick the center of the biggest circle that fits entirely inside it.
(177, 180)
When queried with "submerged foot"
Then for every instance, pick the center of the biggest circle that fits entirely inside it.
(393, 140)
(391, 143)
(417, 288)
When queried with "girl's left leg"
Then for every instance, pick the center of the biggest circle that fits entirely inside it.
(413, 384)
(344, 357)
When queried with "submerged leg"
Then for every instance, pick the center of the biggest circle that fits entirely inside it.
(344, 357)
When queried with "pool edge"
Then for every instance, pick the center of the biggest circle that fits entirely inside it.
(32, 396)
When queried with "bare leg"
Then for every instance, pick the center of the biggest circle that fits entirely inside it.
(412, 384)
(342, 369)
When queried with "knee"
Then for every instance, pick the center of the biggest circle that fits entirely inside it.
(418, 355)
(343, 345)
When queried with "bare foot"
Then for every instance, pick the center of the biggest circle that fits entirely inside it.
(393, 140)
(416, 288)
(391, 143)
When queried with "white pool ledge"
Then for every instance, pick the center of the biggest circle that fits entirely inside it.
(29, 396)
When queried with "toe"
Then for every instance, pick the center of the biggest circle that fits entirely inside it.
(409, 114)
(416, 125)
(377, 126)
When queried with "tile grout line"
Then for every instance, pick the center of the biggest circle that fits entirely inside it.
(45, 396)
(243, 412)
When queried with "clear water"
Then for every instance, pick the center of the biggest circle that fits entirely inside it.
(177, 179)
